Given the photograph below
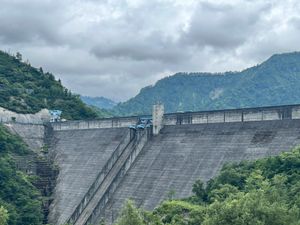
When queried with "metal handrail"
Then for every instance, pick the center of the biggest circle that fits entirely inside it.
(137, 142)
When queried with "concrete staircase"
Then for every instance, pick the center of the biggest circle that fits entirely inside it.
(90, 208)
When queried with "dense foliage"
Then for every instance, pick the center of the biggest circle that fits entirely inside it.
(20, 201)
(25, 89)
(263, 192)
(274, 82)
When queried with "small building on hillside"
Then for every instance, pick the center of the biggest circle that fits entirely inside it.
(55, 115)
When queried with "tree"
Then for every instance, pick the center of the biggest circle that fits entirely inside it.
(198, 190)
(3, 216)
(19, 56)
(130, 215)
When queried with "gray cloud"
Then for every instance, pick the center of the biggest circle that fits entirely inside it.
(223, 25)
(31, 22)
(114, 48)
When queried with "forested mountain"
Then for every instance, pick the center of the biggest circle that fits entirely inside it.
(99, 102)
(25, 89)
(274, 82)
(266, 191)
(102, 106)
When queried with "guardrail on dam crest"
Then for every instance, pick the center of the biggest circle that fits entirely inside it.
(216, 116)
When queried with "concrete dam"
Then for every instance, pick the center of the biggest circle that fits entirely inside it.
(103, 162)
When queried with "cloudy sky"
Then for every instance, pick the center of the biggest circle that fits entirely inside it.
(113, 48)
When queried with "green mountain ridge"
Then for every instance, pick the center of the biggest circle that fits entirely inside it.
(273, 82)
(25, 89)
(99, 102)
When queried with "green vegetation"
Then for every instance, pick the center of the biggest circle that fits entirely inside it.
(274, 82)
(130, 215)
(3, 216)
(20, 201)
(262, 192)
(25, 89)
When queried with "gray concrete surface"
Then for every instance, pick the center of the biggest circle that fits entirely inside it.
(32, 134)
(80, 156)
(112, 180)
(179, 155)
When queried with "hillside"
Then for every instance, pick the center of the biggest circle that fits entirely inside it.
(99, 102)
(25, 89)
(102, 106)
(263, 192)
(274, 82)
(20, 200)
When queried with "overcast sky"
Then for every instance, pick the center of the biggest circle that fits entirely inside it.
(113, 48)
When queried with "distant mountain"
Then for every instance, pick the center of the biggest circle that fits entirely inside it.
(99, 102)
(25, 89)
(274, 82)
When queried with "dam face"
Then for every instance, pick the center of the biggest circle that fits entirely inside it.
(102, 162)
(181, 154)
(80, 155)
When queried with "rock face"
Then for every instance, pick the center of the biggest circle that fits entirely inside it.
(37, 118)
(80, 156)
(181, 154)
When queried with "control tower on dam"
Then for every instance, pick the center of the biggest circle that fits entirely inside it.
(103, 162)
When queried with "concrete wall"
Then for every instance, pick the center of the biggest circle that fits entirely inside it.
(95, 124)
(181, 154)
(234, 115)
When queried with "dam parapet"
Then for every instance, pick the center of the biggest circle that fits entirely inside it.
(200, 117)
(234, 115)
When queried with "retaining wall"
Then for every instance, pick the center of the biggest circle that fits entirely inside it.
(7, 116)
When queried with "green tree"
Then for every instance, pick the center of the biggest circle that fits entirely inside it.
(19, 56)
(3, 216)
(252, 208)
(199, 190)
(130, 215)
